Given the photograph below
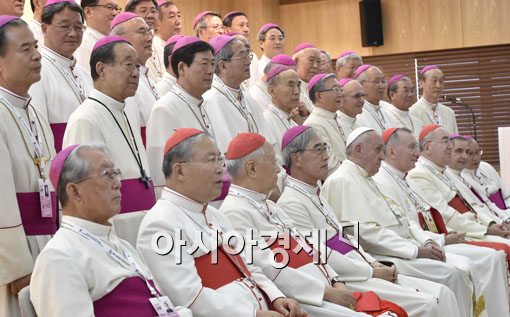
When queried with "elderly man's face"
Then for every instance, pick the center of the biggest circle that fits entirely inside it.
(170, 19)
(347, 71)
(148, 11)
(123, 74)
(12, 7)
(374, 85)
(352, 104)
(313, 160)
(308, 64)
(100, 16)
(325, 67)
(372, 153)
(285, 93)
(405, 95)
(405, 152)
(241, 25)
(460, 154)
(475, 155)
(433, 84)
(214, 27)
(238, 68)
(267, 169)
(439, 150)
(65, 32)
(273, 43)
(138, 33)
(331, 97)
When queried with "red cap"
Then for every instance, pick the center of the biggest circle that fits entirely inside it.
(243, 144)
(427, 129)
(178, 136)
(387, 133)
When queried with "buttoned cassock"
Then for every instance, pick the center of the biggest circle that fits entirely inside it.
(429, 113)
(487, 180)
(93, 122)
(175, 213)
(381, 231)
(309, 211)
(82, 54)
(373, 116)
(156, 63)
(64, 86)
(63, 283)
(326, 125)
(490, 265)
(278, 121)
(166, 82)
(396, 118)
(258, 91)
(20, 243)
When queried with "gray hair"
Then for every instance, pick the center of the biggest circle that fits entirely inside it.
(328, 57)
(342, 61)
(320, 86)
(349, 151)
(118, 29)
(234, 166)
(395, 137)
(297, 145)
(428, 138)
(76, 168)
(225, 54)
(363, 76)
(182, 152)
(202, 23)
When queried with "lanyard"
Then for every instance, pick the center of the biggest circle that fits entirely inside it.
(204, 123)
(441, 177)
(146, 78)
(380, 121)
(400, 120)
(285, 121)
(70, 80)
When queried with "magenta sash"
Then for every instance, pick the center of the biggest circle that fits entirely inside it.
(227, 180)
(497, 199)
(129, 298)
(340, 244)
(143, 133)
(58, 130)
(135, 196)
(30, 212)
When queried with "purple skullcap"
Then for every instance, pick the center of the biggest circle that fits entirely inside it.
(315, 79)
(456, 136)
(361, 70)
(4, 19)
(396, 78)
(219, 42)
(232, 12)
(173, 39)
(199, 16)
(342, 82)
(292, 133)
(107, 40)
(50, 2)
(57, 164)
(266, 27)
(185, 41)
(345, 53)
(283, 59)
(161, 2)
(427, 68)
(303, 46)
(469, 137)
(121, 18)
(275, 71)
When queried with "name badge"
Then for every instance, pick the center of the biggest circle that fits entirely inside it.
(163, 306)
(45, 198)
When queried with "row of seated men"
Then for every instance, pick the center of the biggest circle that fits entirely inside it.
(472, 206)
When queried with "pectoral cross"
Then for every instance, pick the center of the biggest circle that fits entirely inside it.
(40, 162)
(145, 179)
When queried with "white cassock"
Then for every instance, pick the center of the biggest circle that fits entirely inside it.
(278, 122)
(166, 82)
(35, 27)
(438, 113)
(326, 125)
(74, 276)
(396, 118)
(381, 231)
(486, 179)
(106, 121)
(309, 211)
(304, 97)
(156, 63)
(181, 273)
(177, 109)
(259, 93)
(254, 70)
(64, 86)
(263, 61)
(246, 210)
(347, 123)
(23, 229)
(140, 105)
(373, 117)
(490, 265)
(82, 54)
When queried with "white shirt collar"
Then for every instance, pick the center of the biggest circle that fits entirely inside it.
(453, 171)
(182, 201)
(258, 197)
(94, 33)
(344, 117)
(372, 106)
(218, 83)
(312, 190)
(92, 227)
(350, 164)
(429, 105)
(397, 172)
(431, 164)
(399, 112)
(193, 101)
(15, 100)
(169, 78)
(280, 111)
(324, 113)
(61, 60)
(107, 100)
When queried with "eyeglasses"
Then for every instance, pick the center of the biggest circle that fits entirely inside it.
(143, 31)
(79, 28)
(356, 96)
(244, 55)
(335, 89)
(379, 82)
(213, 160)
(477, 153)
(110, 7)
(214, 27)
(111, 174)
(319, 149)
(406, 91)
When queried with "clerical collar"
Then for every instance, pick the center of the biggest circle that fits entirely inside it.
(280, 112)
(258, 197)
(397, 172)
(431, 164)
(399, 112)
(453, 171)
(312, 190)
(192, 100)
(430, 105)
(372, 106)
(94, 33)
(144, 71)
(345, 117)
(360, 169)
(15, 100)
(56, 57)
(235, 92)
(92, 227)
(469, 171)
(182, 201)
(324, 113)
(107, 100)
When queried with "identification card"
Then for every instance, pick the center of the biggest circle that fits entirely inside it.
(163, 306)
(45, 198)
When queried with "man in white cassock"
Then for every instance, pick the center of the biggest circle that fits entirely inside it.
(327, 96)
(182, 107)
(146, 9)
(305, 155)
(382, 231)
(374, 84)
(402, 92)
(64, 85)
(26, 149)
(401, 154)
(271, 39)
(119, 284)
(134, 29)
(484, 177)
(428, 108)
(252, 164)
(99, 15)
(206, 276)
(346, 64)
(169, 24)
(35, 23)
(168, 79)
(102, 117)
(308, 61)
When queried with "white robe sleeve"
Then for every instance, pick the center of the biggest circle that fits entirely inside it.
(384, 241)
(80, 131)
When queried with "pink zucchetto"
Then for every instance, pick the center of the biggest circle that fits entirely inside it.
(345, 53)
(314, 80)
(121, 18)
(219, 42)
(396, 78)
(427, 68)
(199, 16)
(266, 27)
(4, 19)
(292, 133)
(57, 164)
(173, 39)
(185, 41)
(107, 40)
(275, 71)
(361, 70)
(303, 46)
(283, 59)
(342, 82)
(51, 2)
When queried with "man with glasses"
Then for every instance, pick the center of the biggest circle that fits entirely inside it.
(308, 61)
(99, 15)
(402, 92)
(207, 24)
(12, 7)
(326, 95)
(86, 269)
(146, 9)
(63, 85)
(350, 107)
(428, 109)
(346, 64)
(102, 117)
(35, 23)
(134, 29)
(271, 39)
